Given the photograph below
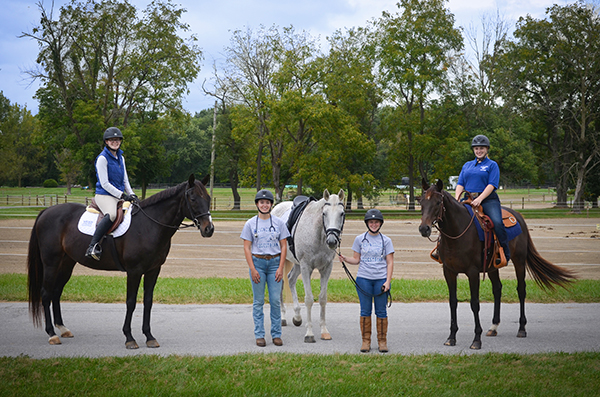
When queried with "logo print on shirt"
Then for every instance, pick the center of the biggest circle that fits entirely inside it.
(483, 168)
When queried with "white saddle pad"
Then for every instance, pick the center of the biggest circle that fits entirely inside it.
(87, 223)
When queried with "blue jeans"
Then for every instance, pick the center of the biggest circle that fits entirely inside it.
(372, 287)
(266, 269)
(491, 207)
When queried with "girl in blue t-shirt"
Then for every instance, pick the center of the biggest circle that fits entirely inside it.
(481, 177)
(374, 255)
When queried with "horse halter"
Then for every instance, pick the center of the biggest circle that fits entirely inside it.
(337, 233)
(194, 217)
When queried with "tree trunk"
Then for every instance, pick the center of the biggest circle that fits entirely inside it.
(234, 180)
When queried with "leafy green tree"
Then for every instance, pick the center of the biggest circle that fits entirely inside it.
(100, 61)
(20, 158)
(551, 72)
(415, 48)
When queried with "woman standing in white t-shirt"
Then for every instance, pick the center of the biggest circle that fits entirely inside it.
(265, 247)
(374, 253)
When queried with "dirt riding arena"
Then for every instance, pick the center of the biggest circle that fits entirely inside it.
(572, 243)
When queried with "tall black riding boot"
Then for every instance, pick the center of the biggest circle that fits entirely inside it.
(94, 251)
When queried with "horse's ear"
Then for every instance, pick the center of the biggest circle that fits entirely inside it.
(341, 195)
(191, 180)
(439, 185)
(206, 180)
(424, 184)
(326, 195)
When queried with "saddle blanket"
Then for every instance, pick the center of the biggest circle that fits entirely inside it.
(511, 232)
(87, 223)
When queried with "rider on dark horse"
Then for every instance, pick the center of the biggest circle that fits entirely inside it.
(112, 185)
(481, 177)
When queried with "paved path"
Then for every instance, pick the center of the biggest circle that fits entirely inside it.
(211, 330)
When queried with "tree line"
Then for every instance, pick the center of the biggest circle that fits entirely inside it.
(398, 97)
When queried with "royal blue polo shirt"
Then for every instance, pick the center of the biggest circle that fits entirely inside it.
(474, 176)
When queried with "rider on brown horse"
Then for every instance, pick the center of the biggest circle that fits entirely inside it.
(113, 185)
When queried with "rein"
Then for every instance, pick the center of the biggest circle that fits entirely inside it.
(181, 225)
(351, 277)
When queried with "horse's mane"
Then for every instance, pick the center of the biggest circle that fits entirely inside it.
(163, 195)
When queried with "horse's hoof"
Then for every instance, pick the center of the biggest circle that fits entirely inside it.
(152, 343)
(131, 345)
(326, 336)
(450, 342)
(309, 339)
(54, 340)
(64, 331)
(284, 322)
(522, 334)
(492, 332)
(297, 323)
(476, 345)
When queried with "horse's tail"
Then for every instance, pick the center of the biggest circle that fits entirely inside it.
(545, 273)
(35, 276)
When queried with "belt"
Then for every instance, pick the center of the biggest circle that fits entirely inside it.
(267, 257)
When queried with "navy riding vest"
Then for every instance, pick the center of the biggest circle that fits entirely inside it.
(116, 171)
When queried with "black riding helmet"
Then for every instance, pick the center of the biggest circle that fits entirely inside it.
(112, 132)
(264, 194)
(480, 140)
(373, 213)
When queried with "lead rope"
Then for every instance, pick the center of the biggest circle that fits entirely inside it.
(351, 277)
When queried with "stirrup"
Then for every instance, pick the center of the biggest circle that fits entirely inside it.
(94, 252)
(500, 259)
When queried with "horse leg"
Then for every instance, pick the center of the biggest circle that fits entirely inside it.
(133, 284)
(47, 298)
(323, 301)
(497, 291)
(149, 284)
(519, 263)
(286, 287)
(309, 337)
(450, 277)
(474, 287)
(61, 280)
(293, 278)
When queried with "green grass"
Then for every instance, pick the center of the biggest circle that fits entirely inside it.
(108, 289)
(555, 374)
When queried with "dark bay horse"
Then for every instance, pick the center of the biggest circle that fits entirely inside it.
(56, 245)
(461, 252)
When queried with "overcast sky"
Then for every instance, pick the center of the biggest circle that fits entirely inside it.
(212, 22)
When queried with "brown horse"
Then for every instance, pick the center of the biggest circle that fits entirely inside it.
(461, 251)
(56, 245)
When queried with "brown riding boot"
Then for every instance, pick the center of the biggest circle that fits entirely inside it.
(382, 326)
(365, 329)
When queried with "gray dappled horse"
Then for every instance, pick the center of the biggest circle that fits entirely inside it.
(317, 234)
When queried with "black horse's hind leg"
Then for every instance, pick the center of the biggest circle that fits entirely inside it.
(522, 292)
(133, 284)
(149, 284)
(497, 291)
(453, 300)
(63, 276)
(474, 287)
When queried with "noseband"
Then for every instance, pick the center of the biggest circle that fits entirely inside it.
(337, 233)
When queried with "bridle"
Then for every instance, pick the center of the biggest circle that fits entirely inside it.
(181, 225)
(440, 216)
(336, 232)
(194, 217)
